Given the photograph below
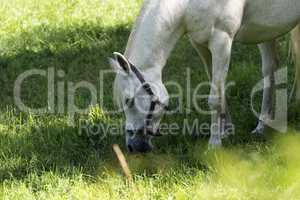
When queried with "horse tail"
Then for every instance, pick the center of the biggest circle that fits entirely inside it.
(296, 52)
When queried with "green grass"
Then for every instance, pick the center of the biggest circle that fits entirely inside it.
(44, 157)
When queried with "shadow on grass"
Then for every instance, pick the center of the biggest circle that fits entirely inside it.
(81, 52)
(53, 146)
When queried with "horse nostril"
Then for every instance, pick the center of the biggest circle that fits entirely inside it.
(130, 149)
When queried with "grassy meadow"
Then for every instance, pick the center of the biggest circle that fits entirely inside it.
(45, 157)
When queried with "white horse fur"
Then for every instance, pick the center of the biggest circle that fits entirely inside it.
(212, 26)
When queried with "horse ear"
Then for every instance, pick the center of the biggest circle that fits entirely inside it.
(121, 63)
(116, 66)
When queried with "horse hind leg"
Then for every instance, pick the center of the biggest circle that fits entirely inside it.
(269, 63)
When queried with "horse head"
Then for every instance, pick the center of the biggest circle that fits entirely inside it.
(142, 100)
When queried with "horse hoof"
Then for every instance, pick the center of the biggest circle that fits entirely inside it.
(258, 131)
(228, 131)
(215, 143)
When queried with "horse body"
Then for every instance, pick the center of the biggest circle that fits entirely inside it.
(257, 21)
(268, 19)
(212, 25)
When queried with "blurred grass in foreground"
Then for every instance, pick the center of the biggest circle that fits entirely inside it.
(253, 172)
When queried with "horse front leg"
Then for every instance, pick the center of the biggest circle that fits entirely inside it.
(220, 46)
(206, 58)
(269, 63)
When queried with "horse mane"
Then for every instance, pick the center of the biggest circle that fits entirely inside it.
(136, 25)
(296, 52)
(116, 94)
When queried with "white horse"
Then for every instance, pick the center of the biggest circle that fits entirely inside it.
(212, 26)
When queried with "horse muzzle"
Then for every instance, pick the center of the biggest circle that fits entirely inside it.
(139, 141)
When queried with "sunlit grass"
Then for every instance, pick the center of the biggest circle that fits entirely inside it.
(44, 157)
(27, 25)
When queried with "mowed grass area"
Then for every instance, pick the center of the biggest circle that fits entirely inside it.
(45, 157)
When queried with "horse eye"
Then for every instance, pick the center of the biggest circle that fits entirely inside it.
(129, 102)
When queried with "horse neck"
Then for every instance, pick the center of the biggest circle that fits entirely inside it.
(154, 35)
